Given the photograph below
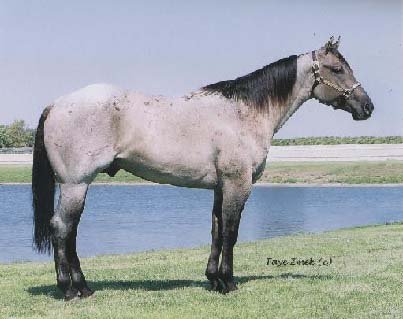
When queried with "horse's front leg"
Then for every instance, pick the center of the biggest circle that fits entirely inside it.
(235, 193)
(64, 223)
(216, 242)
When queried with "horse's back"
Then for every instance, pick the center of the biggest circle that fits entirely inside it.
(90, 95)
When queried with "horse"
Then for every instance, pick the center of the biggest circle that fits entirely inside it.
(216, 138)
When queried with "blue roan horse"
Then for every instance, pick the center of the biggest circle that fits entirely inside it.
(216, 138)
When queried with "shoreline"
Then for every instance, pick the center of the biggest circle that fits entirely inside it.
(49, 258)
(262, 184)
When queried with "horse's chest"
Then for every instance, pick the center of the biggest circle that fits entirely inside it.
(258, 170)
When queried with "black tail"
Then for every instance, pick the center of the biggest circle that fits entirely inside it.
(43, 190)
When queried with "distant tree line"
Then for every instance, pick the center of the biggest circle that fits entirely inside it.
(333, 140)
(17, 134)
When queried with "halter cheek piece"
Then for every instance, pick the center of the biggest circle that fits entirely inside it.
(345, 93)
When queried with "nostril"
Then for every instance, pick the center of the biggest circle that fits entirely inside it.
(368, 108)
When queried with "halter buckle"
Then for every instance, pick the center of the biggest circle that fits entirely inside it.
(347, 94)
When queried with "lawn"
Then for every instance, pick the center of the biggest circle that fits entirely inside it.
(385, 172)
(364, 280)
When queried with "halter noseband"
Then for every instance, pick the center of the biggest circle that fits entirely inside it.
(345, 93)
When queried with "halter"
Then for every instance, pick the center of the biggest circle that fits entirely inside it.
(345, 93)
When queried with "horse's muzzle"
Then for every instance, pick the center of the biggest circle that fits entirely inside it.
(368, 108)
(364, 114)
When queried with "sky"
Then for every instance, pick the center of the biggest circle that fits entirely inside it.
(51, 48)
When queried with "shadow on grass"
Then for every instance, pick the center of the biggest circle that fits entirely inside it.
(158, 285)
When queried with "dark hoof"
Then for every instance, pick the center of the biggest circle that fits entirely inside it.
(215, 285)
(70, 294)
(86, 292)
(229, 286)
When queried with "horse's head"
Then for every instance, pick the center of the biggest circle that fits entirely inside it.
(335, 83)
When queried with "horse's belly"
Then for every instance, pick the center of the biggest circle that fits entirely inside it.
(178, 173)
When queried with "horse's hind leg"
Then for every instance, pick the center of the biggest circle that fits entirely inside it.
(77, 276)
(64, 224)
(216, 242)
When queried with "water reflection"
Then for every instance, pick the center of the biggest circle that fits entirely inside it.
(120, 219)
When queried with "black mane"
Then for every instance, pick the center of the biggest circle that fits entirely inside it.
(273, 83)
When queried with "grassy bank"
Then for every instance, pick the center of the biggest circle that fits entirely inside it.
(363, 281)
(386, 172)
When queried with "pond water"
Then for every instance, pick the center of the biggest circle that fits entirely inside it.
(122, 219)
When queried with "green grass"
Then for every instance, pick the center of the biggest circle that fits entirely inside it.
(15, 174)
(385, 172)
(23, 174)
(120, 177)
(363, 281)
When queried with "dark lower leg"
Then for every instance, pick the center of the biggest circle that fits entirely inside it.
(63, 268)
(216, 242)
(226, 272)
(77, 276)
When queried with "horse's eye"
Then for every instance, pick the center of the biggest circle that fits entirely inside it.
(337, 69)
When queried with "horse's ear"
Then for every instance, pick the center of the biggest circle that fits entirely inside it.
(331, 45)
(337, 43)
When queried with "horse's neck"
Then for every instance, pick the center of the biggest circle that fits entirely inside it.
(262, 125)
(300, 93)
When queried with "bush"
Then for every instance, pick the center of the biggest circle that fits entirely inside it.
(16, 134)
